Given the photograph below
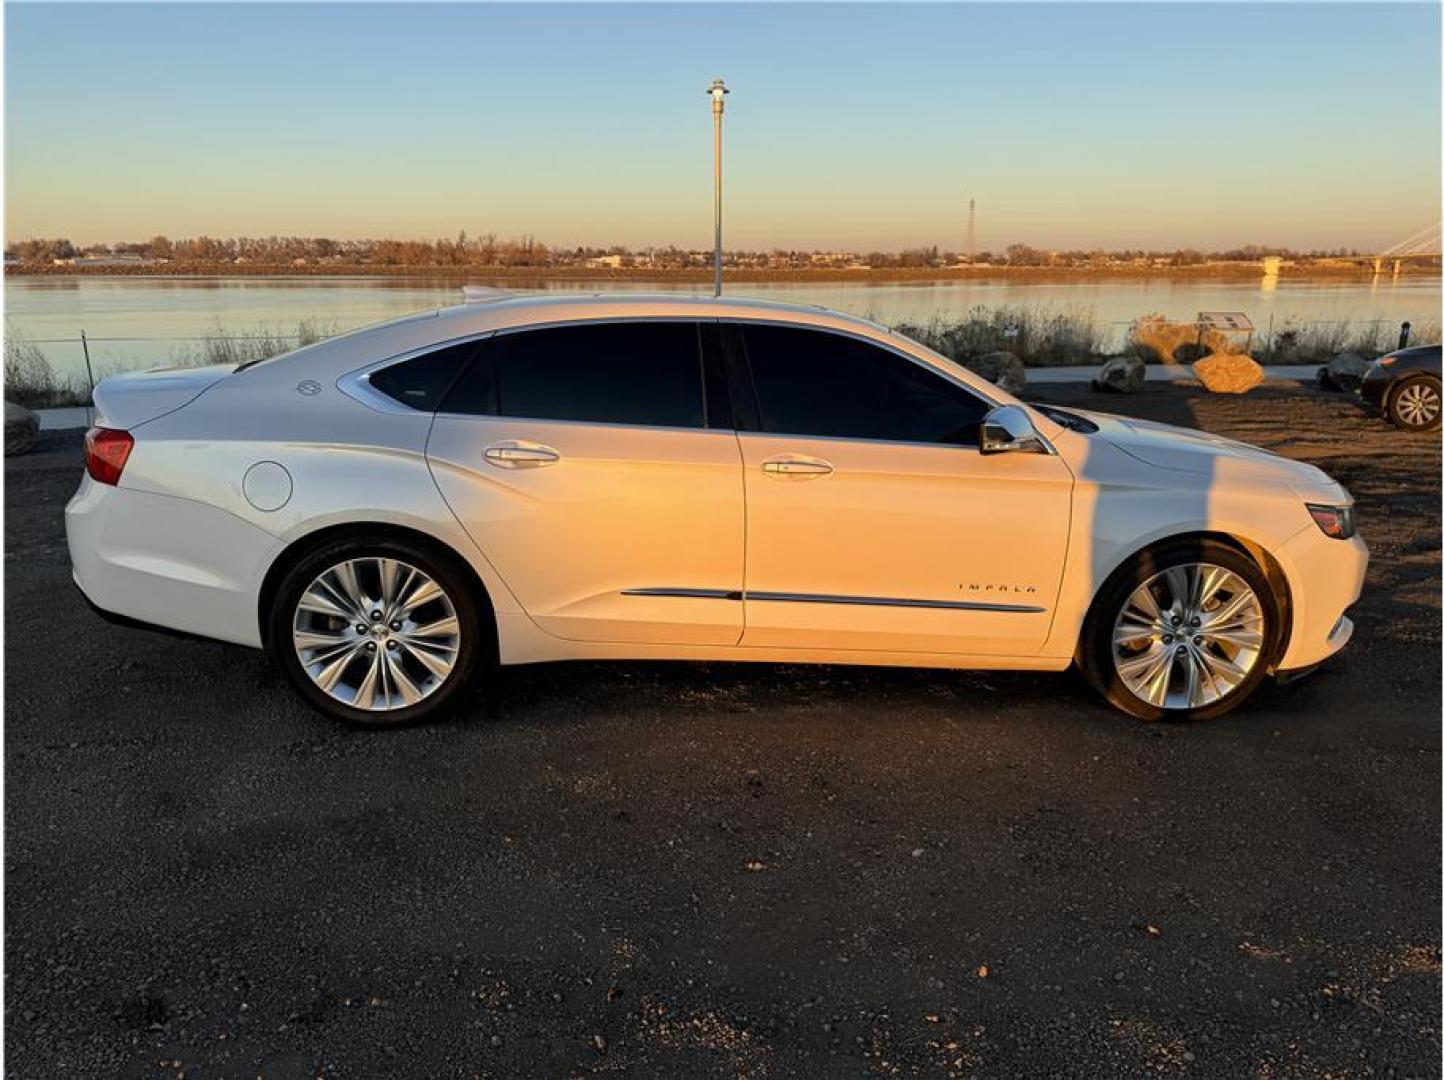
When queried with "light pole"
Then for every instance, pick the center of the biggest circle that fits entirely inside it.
(717, 90)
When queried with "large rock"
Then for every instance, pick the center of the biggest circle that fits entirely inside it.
(1344, 372)
(1229, 373)
(1168, 342)
(1002, 369)
(1121, 374)
(22, 428)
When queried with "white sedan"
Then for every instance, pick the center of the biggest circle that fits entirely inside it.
(394, 511)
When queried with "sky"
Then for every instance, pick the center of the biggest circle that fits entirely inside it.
(855, 127)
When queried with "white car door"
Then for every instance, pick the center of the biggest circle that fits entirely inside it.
(873, 523)
(601, 479)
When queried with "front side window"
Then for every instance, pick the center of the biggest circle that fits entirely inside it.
(645, 374)
(810, 382)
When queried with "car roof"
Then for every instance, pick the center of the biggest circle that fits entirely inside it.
(328, 359)
(540, 308)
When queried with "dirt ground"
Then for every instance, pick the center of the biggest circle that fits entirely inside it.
(730, 870)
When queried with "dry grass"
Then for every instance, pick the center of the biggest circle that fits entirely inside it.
(1036, 335)
(1316, 342)
(223, 348)
(31, 380)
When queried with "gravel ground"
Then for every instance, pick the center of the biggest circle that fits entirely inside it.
(696, 870)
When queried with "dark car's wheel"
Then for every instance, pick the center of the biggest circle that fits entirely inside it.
(1415, 403)
(1182, 632)
(378, 633)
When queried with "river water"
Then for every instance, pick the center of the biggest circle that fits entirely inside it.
(141, 322)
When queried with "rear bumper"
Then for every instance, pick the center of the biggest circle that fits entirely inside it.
(132, 624)
(169, 563)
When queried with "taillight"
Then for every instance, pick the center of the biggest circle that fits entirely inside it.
(106, 450)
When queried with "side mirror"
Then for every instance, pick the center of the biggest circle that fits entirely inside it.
(1008, 429)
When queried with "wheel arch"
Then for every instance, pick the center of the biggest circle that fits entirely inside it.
(302, 546)
(1405, 377)
(1249, 549)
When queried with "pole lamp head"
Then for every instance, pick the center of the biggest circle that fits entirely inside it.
(716, 90)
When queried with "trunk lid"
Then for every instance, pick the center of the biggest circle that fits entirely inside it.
(129, 400)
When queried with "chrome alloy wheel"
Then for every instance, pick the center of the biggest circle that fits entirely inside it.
(1188, 636)
(376, 634)
(1418, 404)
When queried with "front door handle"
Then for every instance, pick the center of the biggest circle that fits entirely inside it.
(520, 454)
(796, 465)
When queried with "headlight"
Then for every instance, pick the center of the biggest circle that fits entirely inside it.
(1336, 521)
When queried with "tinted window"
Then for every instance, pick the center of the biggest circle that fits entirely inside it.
(814, 383)
(616, 373)
(423, 381)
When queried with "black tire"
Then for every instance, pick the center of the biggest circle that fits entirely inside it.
(1096, 650)
(1421, 390)
(476, 627)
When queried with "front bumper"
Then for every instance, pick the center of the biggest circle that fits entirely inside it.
(1325, 577)
(173, 563)
(1375, 386)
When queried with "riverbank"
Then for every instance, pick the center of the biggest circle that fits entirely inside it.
(522, 276)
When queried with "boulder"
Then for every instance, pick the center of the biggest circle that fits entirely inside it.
(1121, 375)
(1228, 373)
(1002, 369)
(22, 429)
(1344, 372)
(1165, 342)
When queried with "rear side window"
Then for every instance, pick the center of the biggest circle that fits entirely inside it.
(645, 374)
(810, 382)
(422, 381)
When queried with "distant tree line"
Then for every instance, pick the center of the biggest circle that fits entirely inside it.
(489, 251)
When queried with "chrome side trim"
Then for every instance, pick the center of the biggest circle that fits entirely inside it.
(813, 598)
(888, 601)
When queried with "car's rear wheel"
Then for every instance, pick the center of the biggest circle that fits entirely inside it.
(377, 633)
(1415, 404)
(1184, 632)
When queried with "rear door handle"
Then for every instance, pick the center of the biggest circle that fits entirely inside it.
(796, 465)
(520, 454)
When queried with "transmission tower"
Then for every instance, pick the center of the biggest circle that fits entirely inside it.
(972, 230)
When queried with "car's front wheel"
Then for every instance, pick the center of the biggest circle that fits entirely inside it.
(1415, 404)
(378, 633)
(1183, 632)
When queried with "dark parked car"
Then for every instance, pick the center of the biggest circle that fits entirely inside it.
(1405, 385)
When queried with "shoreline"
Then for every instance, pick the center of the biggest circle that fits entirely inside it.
(484, 275)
